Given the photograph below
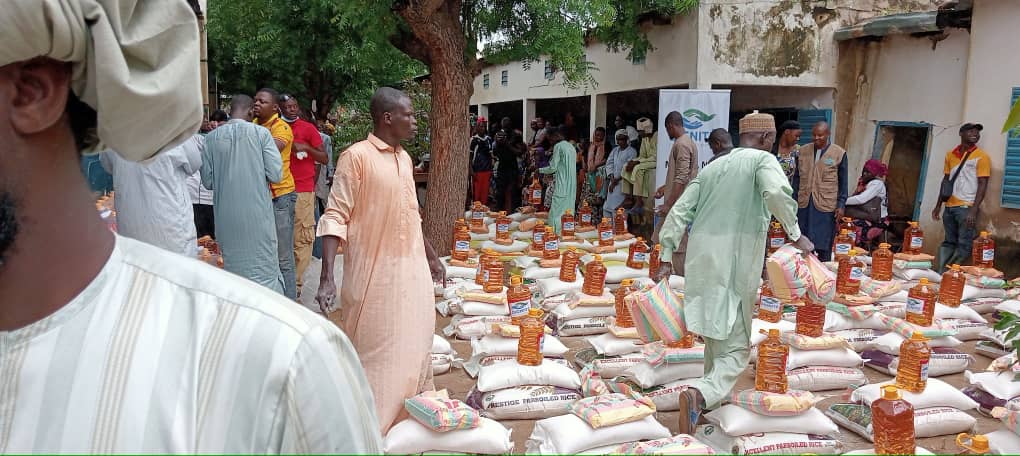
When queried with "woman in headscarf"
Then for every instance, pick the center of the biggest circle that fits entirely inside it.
(870, 186)
(593, 170)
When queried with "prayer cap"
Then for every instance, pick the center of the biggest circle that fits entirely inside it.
(645, 124)
(621, 132)
(134, 61)
(757, 122)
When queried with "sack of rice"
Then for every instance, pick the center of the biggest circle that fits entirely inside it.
(871, 451)
(610, 345)
(736, 420)
(1003, 441)
(458, 306)
(825, 378)
(998, 384)
(510, 374)
(793, 402)
(491, 345)
(473, 327)
(779, 443)
(890, 343)
(556, 287)
(646, 375)
(678, 444)
(757, 326)
(965, 330)
(986, 402)
(982, 305)
(859, 339)
(441, 363)
(928, 422)
(411, 437)
(586, 326)
(833, 357)
(568, 434)
(527, 402)
(612, 409)
(991, 349)
(936, 394)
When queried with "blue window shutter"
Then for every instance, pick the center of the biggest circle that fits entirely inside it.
(808, 118)
(1011, 173)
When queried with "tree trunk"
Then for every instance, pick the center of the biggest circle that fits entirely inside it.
(439, 42)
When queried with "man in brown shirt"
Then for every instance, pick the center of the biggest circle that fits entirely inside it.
(681, 169)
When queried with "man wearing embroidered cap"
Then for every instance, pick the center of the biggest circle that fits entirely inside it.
(727, 208)
(135, 349)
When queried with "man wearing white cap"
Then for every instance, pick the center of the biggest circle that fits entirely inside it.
(135, 349)
(727, 208)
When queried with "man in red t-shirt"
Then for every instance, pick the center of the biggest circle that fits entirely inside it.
(307, 150)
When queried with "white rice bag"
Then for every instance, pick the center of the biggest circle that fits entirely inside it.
(467, 327)
(759, 325)
(778, 443)
(943, 361)
(998, 384)
(564, 311)
(617, 272)
(928, 422)
(441, 363)
(834, 357)
(1003, 441)
(610, 345)
(937, 393)
(971, 292)
(870, 451)
(667, 397)
(568, 434)
(508, 375)
(825, 378)
(917, 274)
(530, 402)
(440, 345)
(735, 420)
(860, 339)
(966, 330)
(412, 437)
(890, 343)
(1010, 305)
(458, 272)
(515, 246)
(586, 326)
(960, 313)
(647, 376)
(835, 321)
(498, 345)
(556, 287)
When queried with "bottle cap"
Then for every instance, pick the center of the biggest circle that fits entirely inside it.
(502, 213)
(773, 332)
(848, 219)
(626, 282)
(548, 230)
(515, 280)
(572, 249)
(917, 336)
(567, 212)
(923, 281)
(640, 239)
(843, 231)
(537, 313)
(884, 246)
(955, 267)
(913, 224)
(984, 234)
(463, 228)
(598, 258)
(890, 392)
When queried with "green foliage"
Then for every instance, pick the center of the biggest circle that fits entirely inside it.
(1010, 323)
(354, 122)
(301, 47)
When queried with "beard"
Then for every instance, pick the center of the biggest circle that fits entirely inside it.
(8, 224)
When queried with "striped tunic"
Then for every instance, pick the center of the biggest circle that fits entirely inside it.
(164, 354)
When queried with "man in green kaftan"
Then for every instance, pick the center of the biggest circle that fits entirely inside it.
(563, 167)
(727, 209)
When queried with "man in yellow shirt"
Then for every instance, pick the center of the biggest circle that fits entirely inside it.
(267, 114)
(970, 167)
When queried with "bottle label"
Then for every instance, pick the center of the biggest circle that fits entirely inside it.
(853, 235)
(856, 274)
(771, 304)
(915, 306)
(478, 215)
(538, 238)
(503, 228)
(485, 276)
(640, 257)
(536, 195)
(520, 308)
(923, 371)
(987, 254)
(842, 249)
(462, 246)
(606, 235)
(552, 245)
(916, 242)
(776, 242)
(586, 218)
(568, 226)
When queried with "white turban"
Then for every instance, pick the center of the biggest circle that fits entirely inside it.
(135, 62)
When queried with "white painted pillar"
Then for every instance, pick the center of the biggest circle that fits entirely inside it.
(597, 114)
(529, 113)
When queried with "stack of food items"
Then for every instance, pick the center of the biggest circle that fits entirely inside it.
(585, 311)
(606, 422)
(441, 424)
(772, 415)
(516, 378)
(937, 407)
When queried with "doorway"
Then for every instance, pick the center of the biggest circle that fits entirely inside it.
(903, 146)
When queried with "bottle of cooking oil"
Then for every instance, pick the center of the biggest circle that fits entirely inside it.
(538, 235)
(687, 341)
(847, 224)
(912, 373)
(605, 233)
(921, 304)
(502, 227)
(654, 261)
(461, 244)
(770, 368)
(459, 223)
(983, 252)
(567, 226)
(913, 239)
(810, 318)
(594, 277)
(482, 272)
(535, 193)
(637, 254)
(620, 222)
(568, 265)
(584, 213)
(776, 237)
(892, 421)
(881, 263)
(978, 443)
(551, 249)
(518, 299)
(494, 276)
(623, 316)
(842, 245)
(770, 309)
(529, 346)
(477, 216)
(951, 288)
(849, 274)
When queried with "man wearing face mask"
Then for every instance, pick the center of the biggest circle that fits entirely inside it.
(307, 150)
(135, 349)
